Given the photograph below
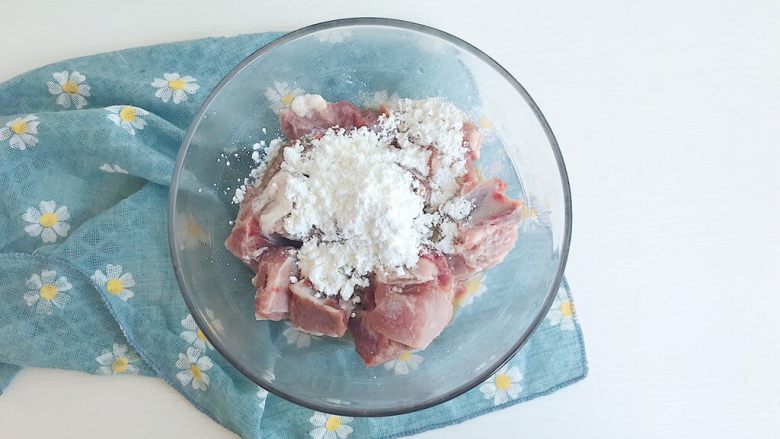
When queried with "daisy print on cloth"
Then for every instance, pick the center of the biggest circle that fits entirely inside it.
(48, 221)
(20, 132)
(115, 282)
(405, 362)
(294, 336)
(503, 386)
(536, 213)
(70, 89)
(193, 367)
(107, 167)
(262, 397)
(175, 86)
(127, 117)
(193, 335)
(378, 98)
(330, 426)
(117, 361)
(334, 36)
(473, 288)
(562, 312)
(280, 96)
(46, 291)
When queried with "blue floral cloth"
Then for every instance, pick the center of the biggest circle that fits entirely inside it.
(87, 148)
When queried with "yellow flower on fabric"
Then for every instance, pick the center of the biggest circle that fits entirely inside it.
(118, 360)
(193, 235)
(127, 117)
(374, 100)
(115, 282)
(174, 86)
(562, 313)
(503, 386)
(70, 89)
(475, 287)
(330, 426)
(294, 336)
(20, 132)
(405, 362)
(536, 213)
(47, 290)
(193, 335)
(48, 221)
(193, 369)
(280, 96)
(484, 123)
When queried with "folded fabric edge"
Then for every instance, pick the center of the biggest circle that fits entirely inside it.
(548, 391)
(146, 358)
(143, 46)
(7, 374)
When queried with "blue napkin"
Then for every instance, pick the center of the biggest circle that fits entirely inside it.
(87, 148)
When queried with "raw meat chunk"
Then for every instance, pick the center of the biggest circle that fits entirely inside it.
(373, 347)
(490, 231)
(412, 314)
(342, 113)
(271, 206)
(272, 283)
(247, 241)
(318, 316)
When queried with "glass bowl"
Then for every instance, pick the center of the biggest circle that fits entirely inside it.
(365, 60)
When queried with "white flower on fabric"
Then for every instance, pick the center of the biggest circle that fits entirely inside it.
(49, 221)
(194, 236)
(19, 132)
(117, 361)
(330, 426)
(193, 335)
(474, 288)
(280, 96)
(127, 117)
(47, 289)
(175, 86)
(404, 363)
(380, 97)
(334, 36)
(115, 282)
(70, 89)
(536, 213)
(262, 396)
(562, 313)
(215, 322)
(503, 386)
(193, 369)
(107, 167)
(301, 339)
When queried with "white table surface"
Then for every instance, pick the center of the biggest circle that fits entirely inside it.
(667, 113)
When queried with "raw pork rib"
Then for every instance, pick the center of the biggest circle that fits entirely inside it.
(373, 347)
(342, 114)
(490, 232)
(247, 241)
(403, 312)
(318, 316)
(398, 311)
(272, 283)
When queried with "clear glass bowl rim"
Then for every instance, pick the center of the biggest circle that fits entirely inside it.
(405, 25)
